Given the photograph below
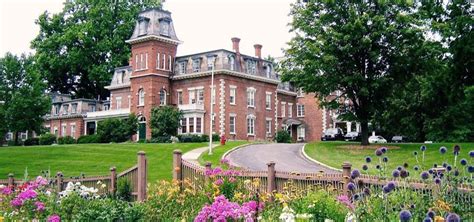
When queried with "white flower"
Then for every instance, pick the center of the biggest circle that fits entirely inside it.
(48, 193)
(103, 186)
(99, 182)
(304, 216)
(287, 215)
(2, 186)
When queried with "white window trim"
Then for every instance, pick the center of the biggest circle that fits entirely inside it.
(283, 109)
(233, 89)
(235, 124)
(270, 128)
(164, 62)
(158, 61)
(139, 97)
(146, 60)
(169, 63)
(251, 116)
(290, 110)
(252, 98)
(267, 94)
(298, 113)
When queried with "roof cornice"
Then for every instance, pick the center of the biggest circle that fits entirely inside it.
(225, 72)
(153, 37)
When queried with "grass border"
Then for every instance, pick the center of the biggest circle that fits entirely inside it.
(315, 161)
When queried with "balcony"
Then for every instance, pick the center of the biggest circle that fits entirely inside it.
(188, 108)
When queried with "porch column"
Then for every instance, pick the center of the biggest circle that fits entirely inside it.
(349, 125)
(357, 127)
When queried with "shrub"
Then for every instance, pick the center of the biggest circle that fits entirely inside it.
(89, 139)
(124, 189)
(161, 139)
(12, 143)
(66, 140)
(215, 137)
(47, 139)
(117, 130)
(165, 121)
(283, 136)
(31, 141)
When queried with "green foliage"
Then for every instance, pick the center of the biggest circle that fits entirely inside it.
(321, 205)
(282, 136)
(89, 139)
(23, 94)
(66, 140)
(31, 141)
(78, 48)
(165, 121)
(161, 139)
(117, 130)
(362, 49)
(192, 138)
(124, 189)
(47, 139)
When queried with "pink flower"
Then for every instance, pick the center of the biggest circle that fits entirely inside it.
(6, 190)
(224, 161)
(27, 194)
(54, 218)
(344, 199)
(222, 210)
(232, 179)
(16, 202)
(39, 206)
(218, 182)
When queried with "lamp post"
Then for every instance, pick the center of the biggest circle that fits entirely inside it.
(212, 60)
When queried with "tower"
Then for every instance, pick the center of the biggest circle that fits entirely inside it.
(154, 44)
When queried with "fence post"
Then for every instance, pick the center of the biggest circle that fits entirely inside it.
(271, 180)
(113, 180)
(141, 176)
(11, 180)
(208, 169)
(59, 181)
(346, 176)
(177, 165)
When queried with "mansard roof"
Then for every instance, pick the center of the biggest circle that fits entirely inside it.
(154, 21)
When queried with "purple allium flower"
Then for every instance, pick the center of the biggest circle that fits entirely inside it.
(403, 173)
(385, 159)
(378, 152)
(54, 218)
(415, 153)
(442, 150)
(367, 191)
(456, 149)
(471, 153)
(452, 217)
(386, 189)
(351, 186)
(368, 159)
(445, 164)
(463, 162)
(435, 165)
(456, 172)
(416, 168)
(427, 219)
(399, 168)
(405, 165)
(377, 166)
(430, 171)
(437, 180)
(355, 196)
(431, 214)
(395, 173)
(449, 168)
(423, 148)
(470, 169)
(405, 215)
(355, 173)
(383, 149)
(424, 175)
(412, 206)
(365, 167)
(39, 206)
(391, 185)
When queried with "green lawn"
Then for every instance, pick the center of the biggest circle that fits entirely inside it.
(335, 153)
(91, 159)
(218, 152)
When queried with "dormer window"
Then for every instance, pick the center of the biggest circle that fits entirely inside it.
(120, 77)
(182, 67)
(165, 26)
(251, 67)
(232, 63)
(142, 26)
(197, 65)
(268, 71)
(211, 60)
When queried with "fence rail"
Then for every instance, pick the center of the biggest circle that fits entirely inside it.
(136, 175)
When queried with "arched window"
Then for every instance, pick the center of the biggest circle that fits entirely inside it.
(141, 97)
(142, 119)
(162, 97)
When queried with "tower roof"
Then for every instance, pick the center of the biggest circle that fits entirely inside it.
(154, 23)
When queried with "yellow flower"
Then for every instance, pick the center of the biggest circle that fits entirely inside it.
(438, 219)
(1, 219)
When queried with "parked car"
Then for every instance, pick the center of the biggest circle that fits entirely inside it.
(399, 139)
(377, 139)
(352, 136)
(333, 134)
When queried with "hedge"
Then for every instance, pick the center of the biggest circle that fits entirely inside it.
(66, 140)
(47, 139)
(31, 141)
(89, 139)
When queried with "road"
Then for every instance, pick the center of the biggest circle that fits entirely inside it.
(287, 157)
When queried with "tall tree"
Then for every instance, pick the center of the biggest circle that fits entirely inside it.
(165, 121)
(23, 93)
(360, 49)
(78, 48)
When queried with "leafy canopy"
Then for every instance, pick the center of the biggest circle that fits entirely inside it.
(165, 121)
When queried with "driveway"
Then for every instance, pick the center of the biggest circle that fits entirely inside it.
(287, 157)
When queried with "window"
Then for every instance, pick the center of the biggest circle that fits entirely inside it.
(300, 92)
(269, 71)
(56, 109)
(65, 109)
(196, 65)
(182, 68)
(251, 67)
(268, 101)
(63, 131)
(210, 62)
(164, 62)
(283, 109)
(300, 133)
(183, 125)
(268, 126)
(74, 108)
(141, 97)
(118, 102)
(169, 63)
(106, 107)
(232, 124)
(192, 97)
(142, 61)
(180, 97)
(55, 131)
(146, 60)
(165, 27)
(251, 125)
(191, 125)
(92, 108)
(198, 125)
(232, 63)
(200, 93)
(300, 110)
(162, 97)
(158, 66)
(142, 26)
(232, 95)
(290, 110)
(250, 97)
(137, 65)
(24, 136)
(73, 131)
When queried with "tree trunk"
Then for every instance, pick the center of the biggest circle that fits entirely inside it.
(364, 130)
(16, 138)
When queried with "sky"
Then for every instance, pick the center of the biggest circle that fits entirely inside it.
(202, 25)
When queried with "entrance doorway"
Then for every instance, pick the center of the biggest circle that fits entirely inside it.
(142, 128)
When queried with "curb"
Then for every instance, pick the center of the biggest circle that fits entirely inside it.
(315, 161)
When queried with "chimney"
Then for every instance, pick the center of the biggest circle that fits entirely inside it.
(235, 44)
(258, 50)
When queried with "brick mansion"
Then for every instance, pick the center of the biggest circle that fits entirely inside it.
(248, 99)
